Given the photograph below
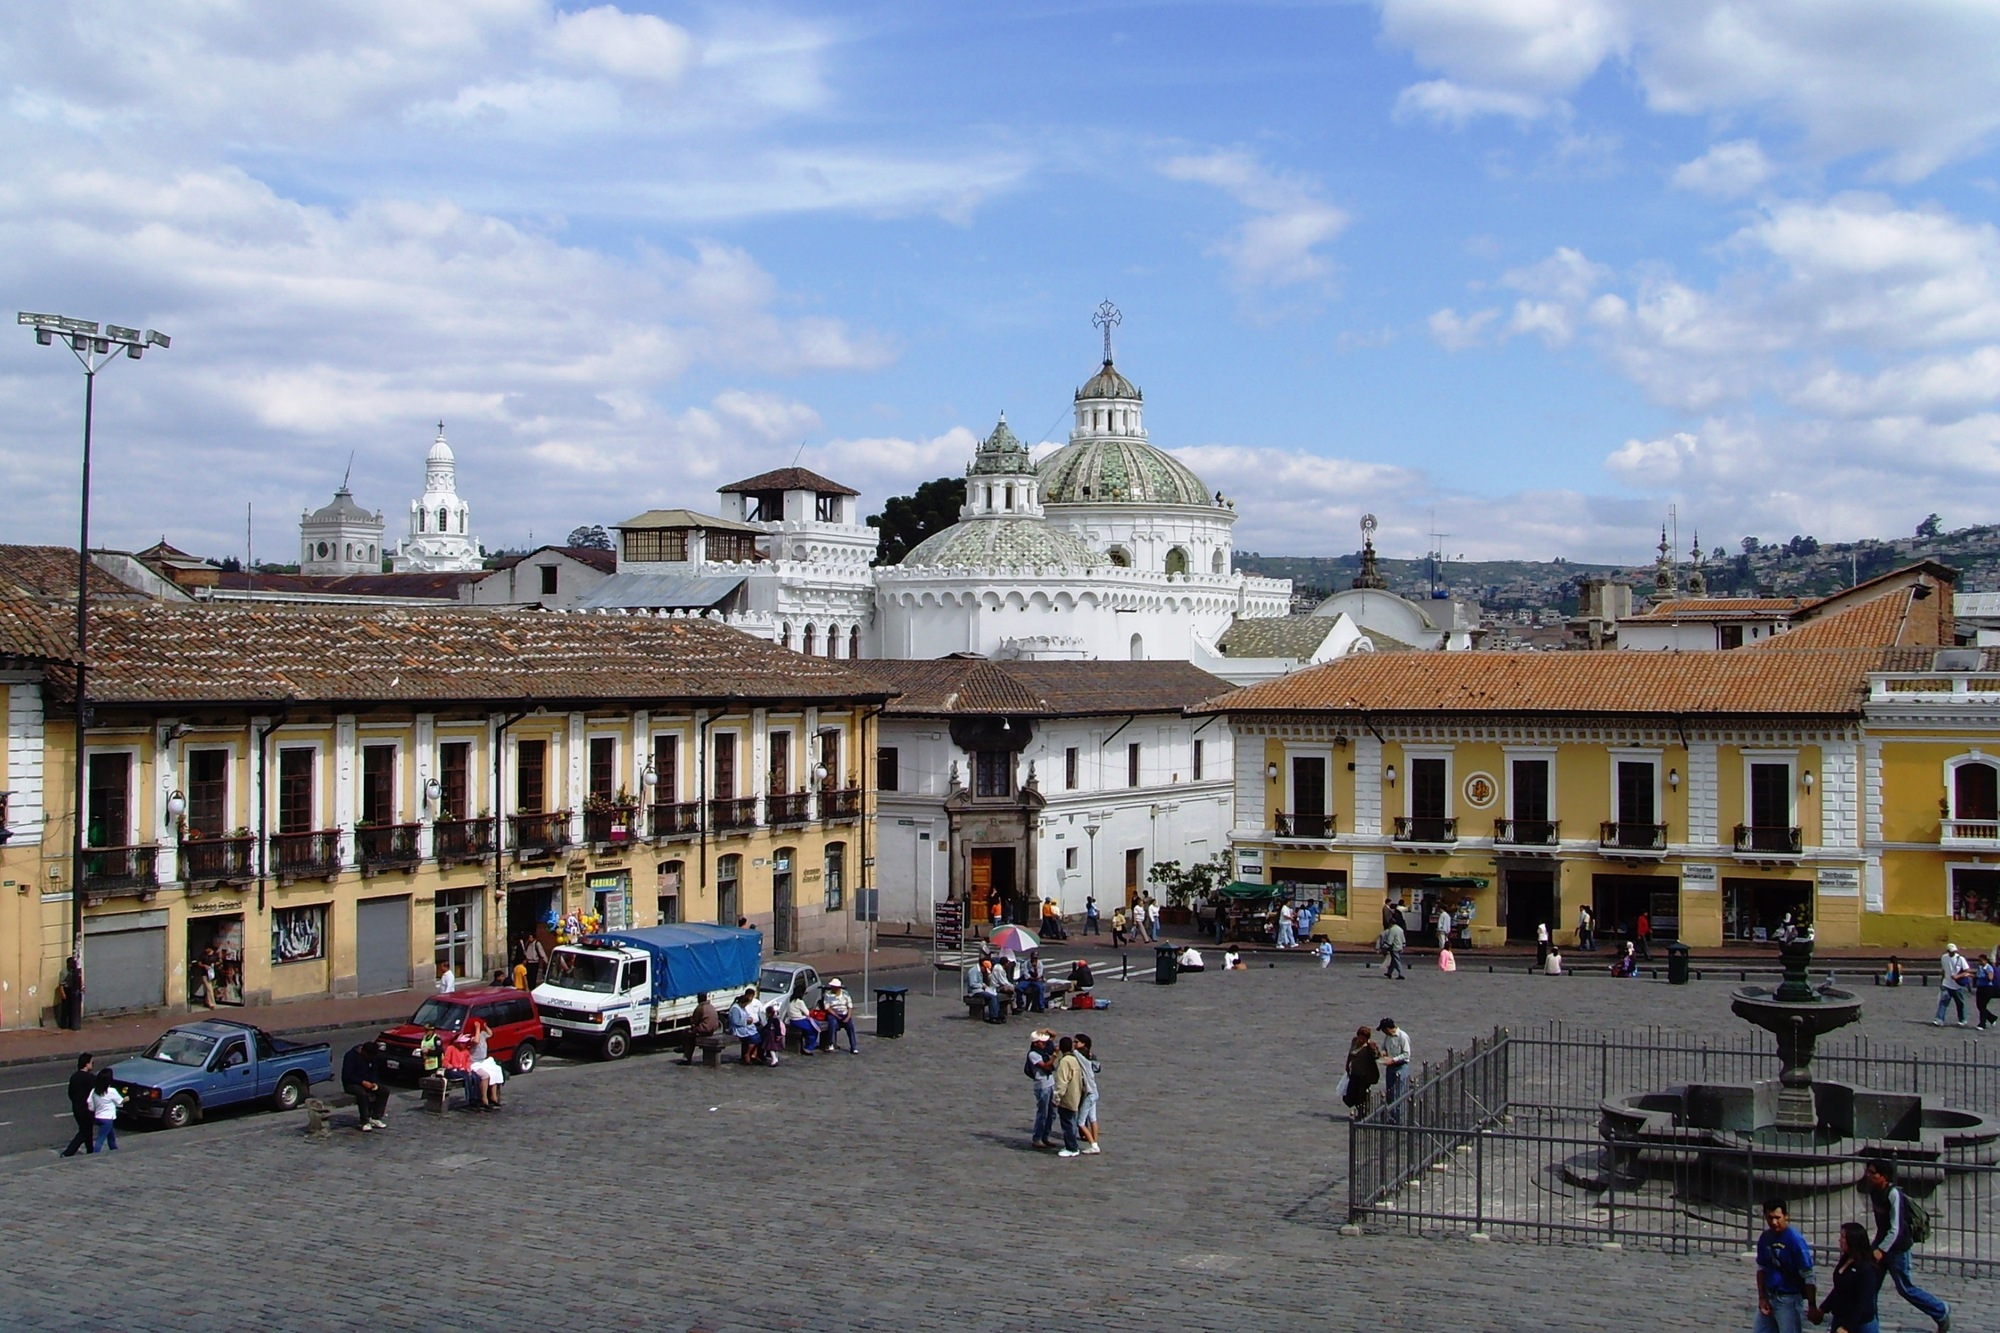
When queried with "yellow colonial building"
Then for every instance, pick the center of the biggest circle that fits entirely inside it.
(1827, 775)
(336, 802)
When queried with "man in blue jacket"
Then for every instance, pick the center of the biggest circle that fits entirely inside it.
(1784, 1273)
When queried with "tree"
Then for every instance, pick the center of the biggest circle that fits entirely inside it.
(1750, 545)
(1183, 886)
(592, 537)
(1930, 529)
(907, 520)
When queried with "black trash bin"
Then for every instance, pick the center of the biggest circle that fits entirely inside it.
(889, 1002)
(1166, 964)
(1677, 964)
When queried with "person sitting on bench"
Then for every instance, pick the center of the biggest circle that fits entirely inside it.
(743, 1025)
(982, 981)
(1190, 960)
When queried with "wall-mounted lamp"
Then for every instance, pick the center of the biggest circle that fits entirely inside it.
(1674, 778)
(177, 805)
(1271, 772)
(1340, 742)
(819, 772)
(433, 791)
(650, 778)
(1808, 780)
(1390, 773)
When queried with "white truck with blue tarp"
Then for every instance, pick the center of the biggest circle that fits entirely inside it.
(612, 988)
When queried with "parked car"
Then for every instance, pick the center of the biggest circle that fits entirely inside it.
(197, 1067)
(516, 1024)
(780, 983)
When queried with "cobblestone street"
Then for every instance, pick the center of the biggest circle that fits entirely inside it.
(893, 1191)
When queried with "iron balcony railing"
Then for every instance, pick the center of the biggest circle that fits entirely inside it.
(110, 871)
(305, 855)
(206, 861)
(840, 803)
(788, 807)
(386, 847)
(1426, 828)
(1528, 832)
(733, 813)
(1623, 835)
(539, 835)
(1294, 824)
(456, 841)
(673, 819)
(1771, 839)
(615, 823)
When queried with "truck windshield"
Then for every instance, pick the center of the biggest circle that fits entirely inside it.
(439, 1014)
(182, 1048)
(583, 971)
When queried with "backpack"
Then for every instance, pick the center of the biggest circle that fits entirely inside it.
(1916, 1220)
(1031, 1066)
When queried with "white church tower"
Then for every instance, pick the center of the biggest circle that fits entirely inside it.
(440, 539)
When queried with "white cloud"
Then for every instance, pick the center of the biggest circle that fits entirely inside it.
(1455, 332)
(1726, 171)
(1916, 83)
(1279, 246)
(628, 46)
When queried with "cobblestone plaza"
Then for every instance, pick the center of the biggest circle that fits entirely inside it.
(893, 1191)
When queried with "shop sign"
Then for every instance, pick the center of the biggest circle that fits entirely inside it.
(1839, 882)
(219, 905)
(1699, 878)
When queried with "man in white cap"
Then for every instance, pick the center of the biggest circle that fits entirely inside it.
(1952, 973)
(839, 1008)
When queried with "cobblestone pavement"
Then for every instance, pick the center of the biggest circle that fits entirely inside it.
(892, 1191)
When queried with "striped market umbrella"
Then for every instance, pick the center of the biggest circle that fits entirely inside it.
(1012, 939)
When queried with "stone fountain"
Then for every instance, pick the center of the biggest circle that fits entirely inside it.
(1798, 1016)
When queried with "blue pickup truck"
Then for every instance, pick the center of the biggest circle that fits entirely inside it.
(198, 1067)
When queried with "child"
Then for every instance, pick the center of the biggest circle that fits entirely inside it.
(1231, 960)
(104, 1103)
(1325, 953)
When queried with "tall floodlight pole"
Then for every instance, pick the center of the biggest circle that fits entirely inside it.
(94, 350)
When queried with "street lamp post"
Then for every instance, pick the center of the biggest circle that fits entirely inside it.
(94, 349)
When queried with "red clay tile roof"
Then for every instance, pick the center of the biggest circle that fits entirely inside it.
(443, 586)
(1740, 683)
(958, 686)
(49, 572)
(36, 630)
(786, 479)
(206, 654)
(1878, 623)
(1720, 608)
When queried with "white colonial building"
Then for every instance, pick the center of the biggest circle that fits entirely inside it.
(340, 538)
(440, 539)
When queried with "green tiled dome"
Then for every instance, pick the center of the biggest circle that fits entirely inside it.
(1002, 543)
(1118, 470)
(1108, 383)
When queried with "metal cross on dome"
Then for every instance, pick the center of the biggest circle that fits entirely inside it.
(1107, 317)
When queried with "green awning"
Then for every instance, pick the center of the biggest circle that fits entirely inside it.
(1247, 892)
(1456, 882)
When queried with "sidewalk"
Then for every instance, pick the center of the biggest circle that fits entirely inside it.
(131, 1032)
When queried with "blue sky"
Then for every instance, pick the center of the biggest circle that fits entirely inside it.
(1530, 270)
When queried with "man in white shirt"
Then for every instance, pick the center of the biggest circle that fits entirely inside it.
(1952, 972)
(1287, 936)
(446, 981)
(1395, 1064)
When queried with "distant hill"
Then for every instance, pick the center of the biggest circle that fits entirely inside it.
(1799, 567)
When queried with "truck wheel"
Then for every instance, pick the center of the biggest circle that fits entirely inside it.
(290, 1093)
(617, 1044)
(181, 1112)
(524, 1058)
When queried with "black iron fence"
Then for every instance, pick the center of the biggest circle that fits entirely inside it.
(1503, 1141)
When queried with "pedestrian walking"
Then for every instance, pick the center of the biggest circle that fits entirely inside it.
(1784, 1273)
(1985, 982)
(1287, 921)
(1642, 935)
(1152, 917)
(1325, 954)
(1953, 975)
(1086, 1115)
(1069, 1088)
(1585, 929)
(1395, 1063)
(1851, 1305)
(361, 1079)
(1040, 1067)
(536, 957)
(1900, 1224)
(1364, 1071)
(105, 1101)
(1090, 915)
(839, 1006)
(1445, 925)
(81, 1084)
(1117, 927)
(1392, 947)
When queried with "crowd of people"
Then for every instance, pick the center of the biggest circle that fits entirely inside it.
(1002, 983)
(1064, 1071)
(1788, 1292)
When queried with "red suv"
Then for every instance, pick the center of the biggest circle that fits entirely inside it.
(508, 1012)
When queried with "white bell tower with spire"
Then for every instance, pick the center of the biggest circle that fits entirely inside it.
(440, 538)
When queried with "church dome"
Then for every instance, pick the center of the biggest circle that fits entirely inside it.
(440, 451)
(1002, 543)
(1119, 470)
(1108, 383)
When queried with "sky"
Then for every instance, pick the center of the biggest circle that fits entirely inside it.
(1524, 273)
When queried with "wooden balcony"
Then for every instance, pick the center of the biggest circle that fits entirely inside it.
(1767, 840)
(1296, 825)
(1617, 836)
(382, 847)
(314, 854)
(736, 813)
(116, 872)
(539, 835)
(1527, 832)
(206, 862)
(458, 841)
(675, 819)
(840, 803)
(611, 824)
(1427, 830)
(788, 807)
